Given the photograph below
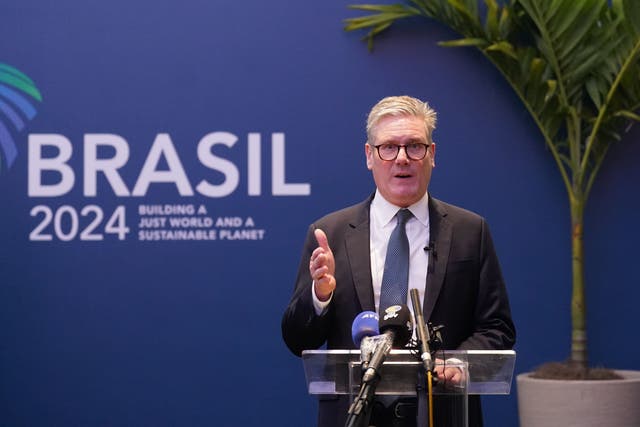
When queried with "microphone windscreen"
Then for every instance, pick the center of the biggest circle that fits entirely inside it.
(364, 325)
(397, 319)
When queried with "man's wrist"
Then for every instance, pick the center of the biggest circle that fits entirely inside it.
(319, 305)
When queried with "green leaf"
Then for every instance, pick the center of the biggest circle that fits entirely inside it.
(492, 19)
(632, 15)
(628, 114)
(385, 8)
(465, 10)
(561, 22)
(585, 22)
(504, 47)
(464, 42)
(552, 85)
(536, 68)
(596, 92)
(386, 16)
(505, 24)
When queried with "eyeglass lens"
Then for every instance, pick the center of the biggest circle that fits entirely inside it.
(413, 151)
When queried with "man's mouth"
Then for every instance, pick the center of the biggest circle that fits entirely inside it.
(403, 175)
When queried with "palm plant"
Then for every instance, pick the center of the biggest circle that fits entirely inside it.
(575, 66)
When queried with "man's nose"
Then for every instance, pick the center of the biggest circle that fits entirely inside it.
(402, 156)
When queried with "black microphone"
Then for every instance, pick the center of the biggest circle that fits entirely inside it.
(421, 330)
(431, 247)
(396, 329)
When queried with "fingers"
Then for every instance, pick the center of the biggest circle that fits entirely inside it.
(325, 282)
(322, 267)
(321, 238)
(450, 375)
(322, 255)
(453, 375)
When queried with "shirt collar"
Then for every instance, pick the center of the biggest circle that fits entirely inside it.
(387, 211)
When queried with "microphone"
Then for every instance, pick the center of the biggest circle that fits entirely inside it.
(431, 247)
(396, 329)
(421, 330)
(364, 325)
(364, 331)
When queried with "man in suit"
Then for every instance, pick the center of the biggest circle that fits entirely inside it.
(452, 261)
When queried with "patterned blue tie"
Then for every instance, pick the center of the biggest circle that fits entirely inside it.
(395, 279)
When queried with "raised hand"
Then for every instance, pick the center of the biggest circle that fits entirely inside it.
(322, 267)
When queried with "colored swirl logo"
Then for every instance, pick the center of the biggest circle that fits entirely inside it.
(17, 95)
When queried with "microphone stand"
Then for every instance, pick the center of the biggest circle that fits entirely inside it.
(422, 392)
(424, 414)
(360, 410)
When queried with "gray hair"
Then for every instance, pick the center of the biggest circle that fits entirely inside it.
(401, 106)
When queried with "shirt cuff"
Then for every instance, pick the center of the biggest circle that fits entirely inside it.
(319, 306)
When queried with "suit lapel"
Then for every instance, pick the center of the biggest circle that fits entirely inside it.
(440, 235)
(358, 253)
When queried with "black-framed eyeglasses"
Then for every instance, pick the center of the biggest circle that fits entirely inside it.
(414, 151)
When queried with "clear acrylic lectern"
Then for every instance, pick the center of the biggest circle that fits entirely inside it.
(330, 372)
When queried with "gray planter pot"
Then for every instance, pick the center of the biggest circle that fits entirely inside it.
(551, 403)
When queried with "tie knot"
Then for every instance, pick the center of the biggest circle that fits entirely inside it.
(403, 216)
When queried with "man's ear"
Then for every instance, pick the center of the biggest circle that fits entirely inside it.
(433, 154)
(368, 151)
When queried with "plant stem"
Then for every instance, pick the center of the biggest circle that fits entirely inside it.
(578, 310)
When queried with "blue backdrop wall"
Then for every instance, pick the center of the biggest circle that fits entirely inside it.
(151, 222)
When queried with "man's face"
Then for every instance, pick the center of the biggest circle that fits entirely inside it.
(401, 181)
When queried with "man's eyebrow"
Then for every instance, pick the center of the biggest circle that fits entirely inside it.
(408, 141)
(394, 139)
